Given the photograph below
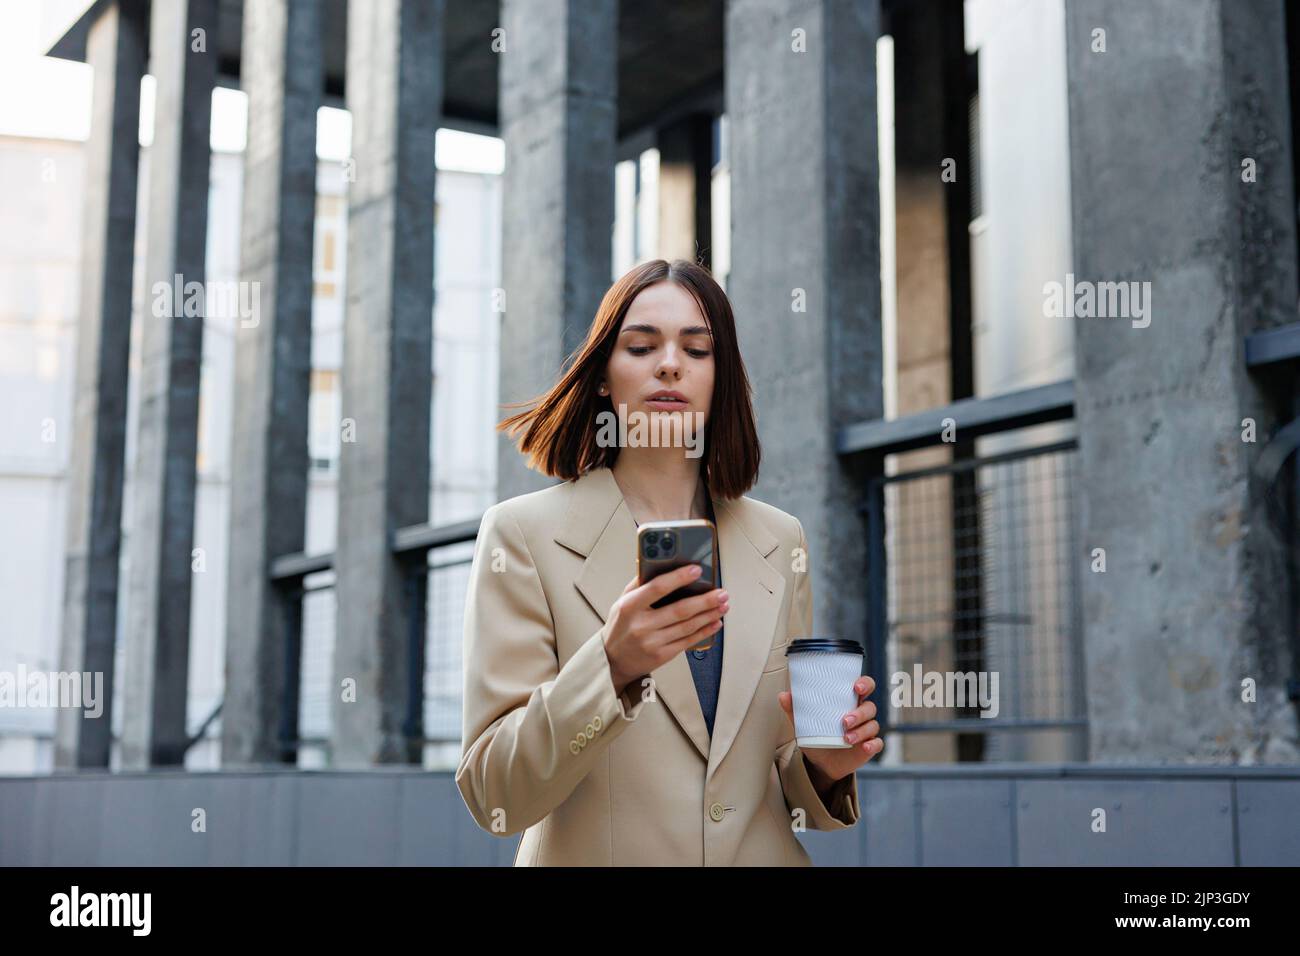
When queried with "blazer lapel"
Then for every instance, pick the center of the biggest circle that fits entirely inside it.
(756, 590)
(600, 527)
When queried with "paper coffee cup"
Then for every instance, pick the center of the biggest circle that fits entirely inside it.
(822, 674)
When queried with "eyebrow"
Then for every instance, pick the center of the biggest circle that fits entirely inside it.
(654, 330)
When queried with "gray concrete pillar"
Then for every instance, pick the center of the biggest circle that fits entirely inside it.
(156, 671)
(394, 88)
(115, 50)
(559, 106)
(805, 274)
(685, 189)
(1192, 601)
(280, 70)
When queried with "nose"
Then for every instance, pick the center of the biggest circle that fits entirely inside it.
(668, 365)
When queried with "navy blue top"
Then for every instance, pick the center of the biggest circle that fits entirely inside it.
(706, 666)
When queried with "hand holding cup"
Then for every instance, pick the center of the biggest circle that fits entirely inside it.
(826, 677)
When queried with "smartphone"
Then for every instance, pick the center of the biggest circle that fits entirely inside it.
(663, 546)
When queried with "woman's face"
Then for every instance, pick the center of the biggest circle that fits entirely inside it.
(664, 344)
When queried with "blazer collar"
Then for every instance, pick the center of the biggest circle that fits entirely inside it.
(600, 527)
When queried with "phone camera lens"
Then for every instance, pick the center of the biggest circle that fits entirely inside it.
(667, 543)
(651, 551)
(651, 536)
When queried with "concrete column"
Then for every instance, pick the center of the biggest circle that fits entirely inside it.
(115, 50)
(805, 276)
(685, 189)
(280, 70)
(394, 89)
(559, 108)
(1192, 601)
(162, 535)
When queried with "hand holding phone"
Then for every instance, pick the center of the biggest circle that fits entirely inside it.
(640, 637)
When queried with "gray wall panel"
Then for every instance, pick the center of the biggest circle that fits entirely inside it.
(17, 823)
(889, 820)
(69, 820)
(437, 830)
(1268, 822)
(1148, 823)
(1037, 815)
(966, 823)
(834, 848)
(268, 824)
(351, 820)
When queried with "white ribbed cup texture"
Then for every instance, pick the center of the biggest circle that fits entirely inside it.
(821, 685)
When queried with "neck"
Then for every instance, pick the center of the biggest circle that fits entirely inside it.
(660, 487)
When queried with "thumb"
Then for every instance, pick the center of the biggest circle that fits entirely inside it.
(631, 585)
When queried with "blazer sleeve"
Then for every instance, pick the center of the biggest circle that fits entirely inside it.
(839, 809)
(531, 730)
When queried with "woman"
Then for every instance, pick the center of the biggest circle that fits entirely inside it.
(588, 724)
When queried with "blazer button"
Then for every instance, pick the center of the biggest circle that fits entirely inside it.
(596, 722)
(591, 730)
(715, 812)
(582, 739)
(574, 748)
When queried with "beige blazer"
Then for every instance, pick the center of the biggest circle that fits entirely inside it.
(595, 778)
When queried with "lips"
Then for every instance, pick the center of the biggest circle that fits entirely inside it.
(667, 398)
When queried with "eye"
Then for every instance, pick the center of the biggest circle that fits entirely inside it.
(638, 349)
(698, 353)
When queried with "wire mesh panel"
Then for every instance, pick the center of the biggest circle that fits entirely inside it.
(316, 670)
(979, 622)
(448, 583)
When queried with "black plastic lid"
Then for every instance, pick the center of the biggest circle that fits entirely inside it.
(840, 645)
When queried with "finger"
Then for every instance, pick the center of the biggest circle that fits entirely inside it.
(690, 638)
(787, 704)
(674, 634)
(864, 686)
(632, 585)
(684, 629)
(865, 733)
(687, 608)
(860, 715)
(667, 583)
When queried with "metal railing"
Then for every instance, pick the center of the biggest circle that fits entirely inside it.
(981, 578)
(972, 570)
(999, 589)
(304, 580)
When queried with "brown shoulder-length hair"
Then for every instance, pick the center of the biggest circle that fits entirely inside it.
(559, 429)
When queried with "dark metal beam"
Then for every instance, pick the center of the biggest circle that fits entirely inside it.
(1276, 345)
(424, 538)
(293, 567)
(407, 543)
(973, 417)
